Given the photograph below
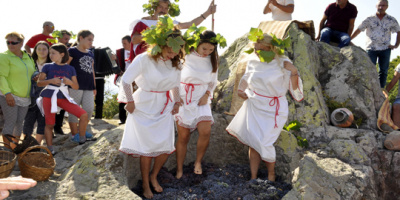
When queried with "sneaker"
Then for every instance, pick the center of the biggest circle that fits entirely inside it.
(88, 135)
(75, 138)
(53, 153)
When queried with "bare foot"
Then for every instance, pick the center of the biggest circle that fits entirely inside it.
(198, 169)
(147, 192)
(271, 177)
(157, 187)
(179, 174)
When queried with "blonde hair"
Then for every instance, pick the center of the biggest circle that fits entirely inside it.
(267, 41)
(19, 36)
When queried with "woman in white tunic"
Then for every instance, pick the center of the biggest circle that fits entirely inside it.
(262, 116)
(198, 81)
(149, 131)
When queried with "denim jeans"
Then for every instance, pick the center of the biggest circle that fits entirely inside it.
(384, 60)
(327, 34)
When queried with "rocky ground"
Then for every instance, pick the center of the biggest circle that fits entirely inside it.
(229, 182)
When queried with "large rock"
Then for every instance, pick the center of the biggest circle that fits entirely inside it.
(329, 178)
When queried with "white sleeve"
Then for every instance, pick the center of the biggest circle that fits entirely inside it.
(298, 93)
(133, 71)
(243, 84)
(213, 84)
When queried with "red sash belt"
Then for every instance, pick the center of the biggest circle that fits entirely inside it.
(189, 87)
(274, 101)
(168, 99)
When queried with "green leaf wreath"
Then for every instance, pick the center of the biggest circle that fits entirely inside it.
(57, 34)
(158, 36)
(192, 37)
(151, 7)
(256, 35)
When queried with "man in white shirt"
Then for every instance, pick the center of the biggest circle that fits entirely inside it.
(281, 9)
(379, 28)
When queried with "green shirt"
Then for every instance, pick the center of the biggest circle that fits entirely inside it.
(16, 73)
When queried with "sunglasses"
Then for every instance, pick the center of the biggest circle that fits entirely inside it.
(12, 43)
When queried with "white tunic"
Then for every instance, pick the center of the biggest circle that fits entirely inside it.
(196, 78)
(262, 116)
(149, 130)
(278, 14)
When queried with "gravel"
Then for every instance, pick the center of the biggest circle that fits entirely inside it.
(229, 182)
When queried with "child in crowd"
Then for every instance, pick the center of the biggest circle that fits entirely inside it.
(198, 81)
(56, 76)
(82, 59)
(40, 56)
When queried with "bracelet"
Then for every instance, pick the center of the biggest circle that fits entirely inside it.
(294, 74)
(203, 16)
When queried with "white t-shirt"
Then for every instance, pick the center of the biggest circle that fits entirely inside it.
(278, 14)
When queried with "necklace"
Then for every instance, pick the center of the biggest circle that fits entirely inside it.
(197, 54)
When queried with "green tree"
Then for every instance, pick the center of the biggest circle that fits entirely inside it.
(393, 64)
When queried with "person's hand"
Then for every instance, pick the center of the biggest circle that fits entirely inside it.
(289, 66)
(317, 38)
(130, 107)
(67, 81)
(203, 100)
(385, 93)
(242, 95)
(35, 78)
(175, 110)
(94, 92)
(274, 2)
(10, 100)
(392, 47)
(56, 81)
(212, 9)
(14, 183)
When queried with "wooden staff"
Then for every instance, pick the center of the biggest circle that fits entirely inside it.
(212, 18)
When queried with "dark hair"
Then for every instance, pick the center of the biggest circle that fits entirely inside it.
(127, 37)
(84, 34)
(61, 48)
(65, 32)
(178, 59)
(35, 57)
(205, 37)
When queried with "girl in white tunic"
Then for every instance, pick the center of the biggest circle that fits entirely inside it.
(149, 131)
(262, 116)
(198, 81)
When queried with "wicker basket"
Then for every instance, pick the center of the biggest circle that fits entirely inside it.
(36, 165)
(22, 145)
(7, 162)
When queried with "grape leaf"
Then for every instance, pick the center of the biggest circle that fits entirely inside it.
(249, 51)
(175, 43)
(156, 50)
(266, 56)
